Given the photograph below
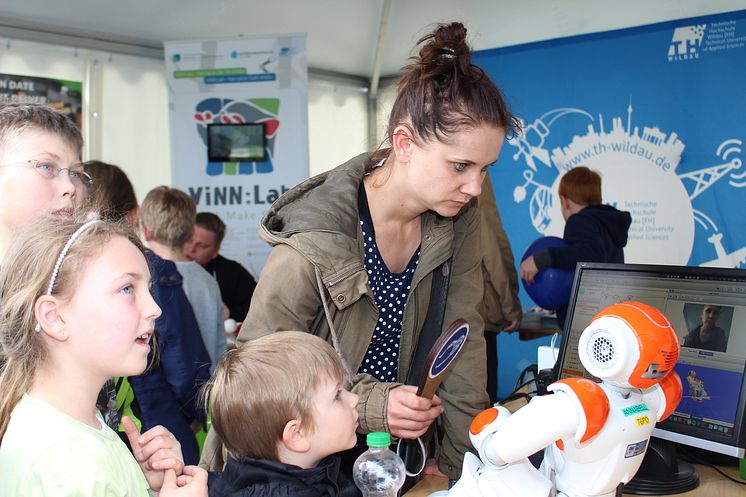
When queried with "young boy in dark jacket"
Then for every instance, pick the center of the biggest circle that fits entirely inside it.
(282, 411)
(594, 232)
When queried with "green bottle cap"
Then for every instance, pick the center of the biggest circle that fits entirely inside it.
(378, 439)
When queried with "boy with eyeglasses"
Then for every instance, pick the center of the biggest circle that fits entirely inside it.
(40, 170)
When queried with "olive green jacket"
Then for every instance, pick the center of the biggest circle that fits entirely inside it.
(317, 245)
(501, 302)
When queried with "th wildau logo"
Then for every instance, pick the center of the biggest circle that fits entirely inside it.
(686, 41)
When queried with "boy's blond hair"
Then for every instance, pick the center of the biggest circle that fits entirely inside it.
(169, 215)
(17, 118)
(265, 383)
(581, 185)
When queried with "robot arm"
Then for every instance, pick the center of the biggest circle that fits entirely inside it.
(579, 409)
(664, 397)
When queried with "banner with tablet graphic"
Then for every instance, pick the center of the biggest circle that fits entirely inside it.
(219, 91)
(658, 110)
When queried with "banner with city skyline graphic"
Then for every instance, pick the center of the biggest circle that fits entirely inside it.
(657, 110)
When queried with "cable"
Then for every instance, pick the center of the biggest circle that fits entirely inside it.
(693, 458)
(555, 352)
(524, 384)
(542, 379)
(532, 368)
(740, 482)
(518, 395)
(423, 452)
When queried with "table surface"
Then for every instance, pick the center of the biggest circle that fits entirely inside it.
(711, 484)
(537, 325)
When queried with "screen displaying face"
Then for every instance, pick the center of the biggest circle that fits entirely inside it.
(708, 312)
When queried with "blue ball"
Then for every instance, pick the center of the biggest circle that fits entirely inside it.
(552, 286)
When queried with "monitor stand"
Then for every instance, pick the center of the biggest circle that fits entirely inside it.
(662, 472)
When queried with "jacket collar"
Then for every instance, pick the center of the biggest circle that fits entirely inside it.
(320, 219)
(246, 472)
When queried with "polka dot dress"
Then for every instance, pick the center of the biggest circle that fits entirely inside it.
(390, 291)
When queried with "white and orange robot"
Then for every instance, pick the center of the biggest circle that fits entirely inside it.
(594, 434)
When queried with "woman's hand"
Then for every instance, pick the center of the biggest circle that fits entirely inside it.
(156, 451)
(409, 415)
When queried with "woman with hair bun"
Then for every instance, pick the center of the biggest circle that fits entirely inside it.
(364, 239)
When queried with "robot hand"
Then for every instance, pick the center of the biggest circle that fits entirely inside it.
(495, 477)
(483, 428)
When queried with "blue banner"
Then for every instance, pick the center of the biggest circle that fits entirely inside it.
(658, 110)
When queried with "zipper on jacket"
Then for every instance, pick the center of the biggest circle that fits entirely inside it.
(342, 276)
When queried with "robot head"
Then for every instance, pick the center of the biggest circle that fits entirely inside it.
(630, 344)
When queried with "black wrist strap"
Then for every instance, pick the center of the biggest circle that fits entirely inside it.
(431, 330)
(433, 326)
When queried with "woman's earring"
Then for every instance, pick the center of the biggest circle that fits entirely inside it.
(37, 328)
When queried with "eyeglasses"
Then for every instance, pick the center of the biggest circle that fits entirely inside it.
(51, 170)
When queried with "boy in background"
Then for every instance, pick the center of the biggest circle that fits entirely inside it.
(235, 282)
(40, 169)
(594, 232)
(282, 411)
(166, 221)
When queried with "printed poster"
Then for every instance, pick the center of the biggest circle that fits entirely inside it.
(65, 96)
(234, 81)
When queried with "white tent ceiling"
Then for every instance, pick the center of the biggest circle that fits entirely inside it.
(343, 35)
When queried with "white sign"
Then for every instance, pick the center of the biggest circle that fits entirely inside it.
(238, 81)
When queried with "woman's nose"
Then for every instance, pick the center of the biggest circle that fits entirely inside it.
(473, 187)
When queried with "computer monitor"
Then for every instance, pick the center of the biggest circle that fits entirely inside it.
(712, 363)
(236, 142)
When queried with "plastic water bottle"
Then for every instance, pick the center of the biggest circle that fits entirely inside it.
(379, 472)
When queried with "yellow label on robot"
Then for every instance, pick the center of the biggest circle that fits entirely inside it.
(642, 421)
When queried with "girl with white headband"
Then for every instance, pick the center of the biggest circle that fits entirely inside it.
(76, 310)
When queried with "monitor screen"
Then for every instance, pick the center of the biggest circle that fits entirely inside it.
(237, 142)
(707, 307)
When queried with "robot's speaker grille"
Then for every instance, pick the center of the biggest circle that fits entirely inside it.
(602, 350)
(669, 360)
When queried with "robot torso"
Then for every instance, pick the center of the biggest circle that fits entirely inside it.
(595, 463)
